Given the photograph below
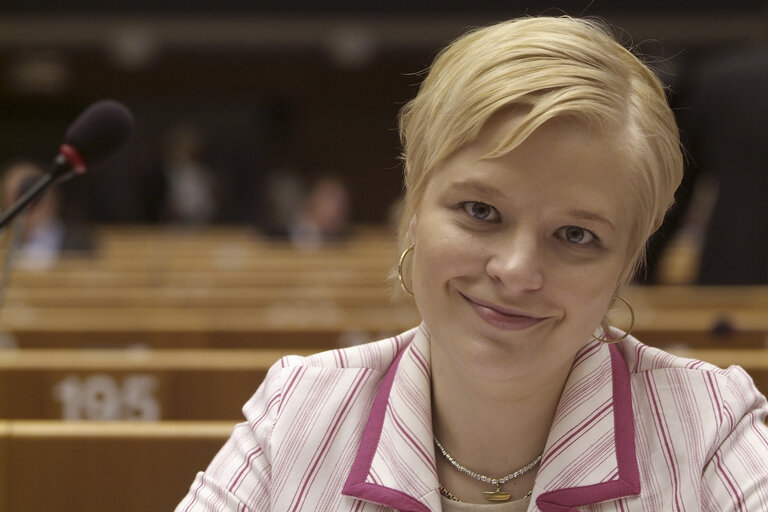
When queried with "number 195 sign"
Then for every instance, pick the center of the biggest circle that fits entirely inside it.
(103, 397)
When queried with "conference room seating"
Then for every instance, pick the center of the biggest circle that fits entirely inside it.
(189, 384)
(142, 385)
(321, 325)
(228, 288)
(66, 466)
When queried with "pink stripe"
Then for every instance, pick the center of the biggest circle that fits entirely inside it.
(427, 457)
(723, 471)
(269, 406)
(288, 388)
(246, 464)
(636, 368)
(715, 392)
(586, 351)
(553, 452)
(759, 429)
(421, 362)
(197, 490)
(338, 357)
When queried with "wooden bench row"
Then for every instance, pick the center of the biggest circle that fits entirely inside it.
(230, 259)
(55, 466)
(227, 291)
(199, 296)
(158, 244)
(260, 277)
(158, 385)
(321, 325)
(145, 385)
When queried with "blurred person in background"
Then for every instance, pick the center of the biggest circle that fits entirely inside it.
(44, 234)
(189, 184)
(323, 217)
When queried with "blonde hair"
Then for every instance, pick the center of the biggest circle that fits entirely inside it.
(549, 67)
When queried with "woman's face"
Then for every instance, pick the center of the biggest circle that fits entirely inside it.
(519, 256)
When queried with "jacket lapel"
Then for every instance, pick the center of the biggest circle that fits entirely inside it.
(395, 464)
(590, 452)
(589, 455)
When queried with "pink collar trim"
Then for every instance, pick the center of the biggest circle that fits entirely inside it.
(628, 481)
(356, 486)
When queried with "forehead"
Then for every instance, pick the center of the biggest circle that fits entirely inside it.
(562, 163)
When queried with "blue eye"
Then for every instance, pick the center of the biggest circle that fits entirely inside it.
(576, 235)
(480, 211)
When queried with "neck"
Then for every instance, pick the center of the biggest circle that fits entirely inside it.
(492, 425)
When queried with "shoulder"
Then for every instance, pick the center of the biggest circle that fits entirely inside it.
(706, 402)
(375, 356)
(642, 358)
(685, 373)
(295, 384)
(700, 432)
(648, 362)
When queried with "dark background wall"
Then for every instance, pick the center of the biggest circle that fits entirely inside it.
(314, 87)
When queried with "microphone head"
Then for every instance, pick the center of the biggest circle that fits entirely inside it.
(100, 131)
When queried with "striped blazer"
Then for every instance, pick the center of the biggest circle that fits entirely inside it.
(636, 429)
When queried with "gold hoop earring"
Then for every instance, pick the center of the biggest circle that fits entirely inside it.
(400, 270)
(628, 331)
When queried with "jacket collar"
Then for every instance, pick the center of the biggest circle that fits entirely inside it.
(589, 455)
(395, 464)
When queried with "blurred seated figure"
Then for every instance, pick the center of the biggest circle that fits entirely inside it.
(323, 216)
(277, 204)
(189, 182)
(42, 233)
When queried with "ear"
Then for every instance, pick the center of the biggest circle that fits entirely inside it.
(412, 229)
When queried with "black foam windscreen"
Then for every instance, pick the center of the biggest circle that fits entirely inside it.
(100, 131)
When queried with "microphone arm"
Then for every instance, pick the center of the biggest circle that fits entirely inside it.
(37, 190)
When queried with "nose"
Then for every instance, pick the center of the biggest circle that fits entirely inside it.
(516, 262)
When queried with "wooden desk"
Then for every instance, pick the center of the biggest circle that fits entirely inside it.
(54, 466)
(147, 385)
(189, 384)
(320, 326)
(314, 326)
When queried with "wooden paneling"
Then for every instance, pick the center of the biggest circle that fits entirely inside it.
(55, 466)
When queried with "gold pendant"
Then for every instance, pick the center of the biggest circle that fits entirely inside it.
(497, 495)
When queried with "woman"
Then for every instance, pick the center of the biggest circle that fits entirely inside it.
(540, 155)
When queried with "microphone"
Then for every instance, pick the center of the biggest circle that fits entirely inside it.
(97, 134)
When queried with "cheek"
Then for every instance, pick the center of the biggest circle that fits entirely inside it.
(442, 253)
(587, 292)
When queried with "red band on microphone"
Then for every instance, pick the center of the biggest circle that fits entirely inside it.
(73, 157)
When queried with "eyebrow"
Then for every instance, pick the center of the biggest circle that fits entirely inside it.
(588, 215)
(478, 187)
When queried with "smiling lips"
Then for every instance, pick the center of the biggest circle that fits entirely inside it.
(502, 318)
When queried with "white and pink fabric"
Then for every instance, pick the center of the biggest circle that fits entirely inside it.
(636, 429)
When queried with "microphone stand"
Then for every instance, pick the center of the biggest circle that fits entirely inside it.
(10, 255)
(60, 170)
